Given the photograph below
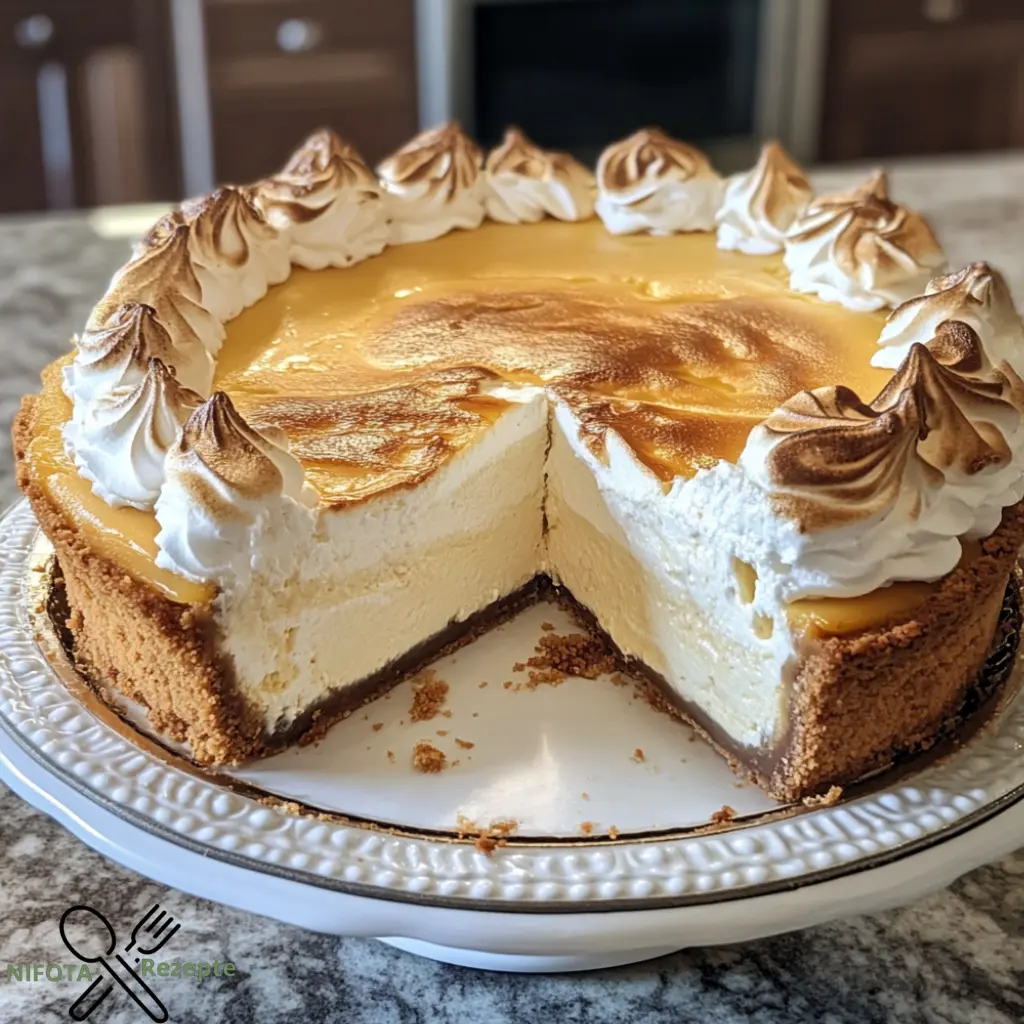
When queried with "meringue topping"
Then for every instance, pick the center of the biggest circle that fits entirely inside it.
(120, 440)
(945, 407)
(885, 490)
(434, 184)
(652, 182)
(977, 295)
(761, 205)
(117, 353)
(861, 249)
(525, 183)
(159, 232)
(164, 277)
(236, 253)
(224, 479)
(327, 203)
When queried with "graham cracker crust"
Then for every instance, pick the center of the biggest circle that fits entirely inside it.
(770, 767)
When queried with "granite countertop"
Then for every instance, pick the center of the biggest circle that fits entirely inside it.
(954, 958)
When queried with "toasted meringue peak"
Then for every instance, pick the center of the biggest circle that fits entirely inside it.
(652, 182)
(525, 183)
(237, 254)
(761, 205)
(164, 277)
(120, 441)
(977, 295)
(116, 354)
(224, 479)
(884, 490)
(861, 249)
(159, 232)
(251, 463)
(326, 156)
(434, 184)
(327, 203)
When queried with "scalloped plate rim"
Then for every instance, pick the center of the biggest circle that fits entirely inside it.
(12, 574)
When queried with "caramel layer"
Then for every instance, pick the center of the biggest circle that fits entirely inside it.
(838, 616)
(380, 372)
(376, 371)
(126, 536)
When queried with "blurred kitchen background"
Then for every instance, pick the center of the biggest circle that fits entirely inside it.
(117, 101)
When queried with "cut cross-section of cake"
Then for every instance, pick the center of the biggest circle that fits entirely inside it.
(802, 553)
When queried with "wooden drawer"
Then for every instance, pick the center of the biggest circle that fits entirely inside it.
(900, 83)
(253, 138)
(869, 16)
(355, 72)
(248, 41)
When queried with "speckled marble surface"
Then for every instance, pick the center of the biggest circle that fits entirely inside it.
(954, 958)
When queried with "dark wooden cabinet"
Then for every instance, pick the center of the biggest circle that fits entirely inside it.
(278, 69)
(923, 76)
(86, 103)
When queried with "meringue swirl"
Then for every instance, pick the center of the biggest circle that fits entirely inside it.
(116, 354)
(236, 254)
(526, 183)
(884, 490)
(761, 205)
(435, 184)
(120, 440)
(164, 277)
(225, 483)
(861, 249)
(978, 296)
(327, 203)
(652, 182)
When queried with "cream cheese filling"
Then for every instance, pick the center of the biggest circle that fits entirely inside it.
(335, 597)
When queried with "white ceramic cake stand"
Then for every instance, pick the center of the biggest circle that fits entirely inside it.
(382, 856)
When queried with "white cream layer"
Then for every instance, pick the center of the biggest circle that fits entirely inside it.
(336, 597)
(661, 584)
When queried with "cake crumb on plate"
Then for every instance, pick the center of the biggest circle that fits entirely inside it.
(833, 796)
(428, 759)
(428, 696)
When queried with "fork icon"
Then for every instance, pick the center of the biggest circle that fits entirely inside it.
(157, 928)
(150, 934)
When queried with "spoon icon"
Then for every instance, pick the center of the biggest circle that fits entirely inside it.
(101, 938)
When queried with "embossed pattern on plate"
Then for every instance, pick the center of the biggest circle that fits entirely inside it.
(39, 713)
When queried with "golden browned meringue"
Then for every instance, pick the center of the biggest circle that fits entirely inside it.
(223, 480)
(164, 277)
(861, 249)
(327, 202)
(946, 415)
(323, 158)
(652, 182)
(761, 205)
(525, 183)
(119, 441)
(159, 232)
(435, 184)
(975, 294)
(236, 253)
(237, 455)
(117, 353)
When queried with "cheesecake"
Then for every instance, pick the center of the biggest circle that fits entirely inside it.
(323, 428)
